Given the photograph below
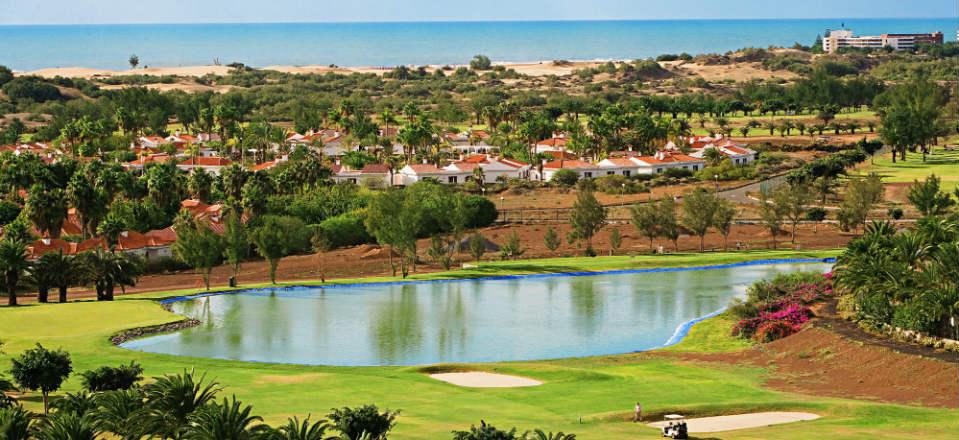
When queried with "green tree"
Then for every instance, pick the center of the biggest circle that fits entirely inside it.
(134, 61)
(645, 218)
(723, 220)
(107, 378)
(481, 62)
(394, 219)
(47, 209)
(771, 213)
(909, 114)
(860, 197)
(321, 244)
(793, 198)
(615, 241)
(199, 247)
(121, 413)
(107, 270)
(477, 246)
(41, 369)
(513, 248)
(699, 212)
(278, 237)
(13, 264)
(669, 225)
(365, 422)
(551, 239)
(236, 243)
(928, 198)
(587, 218)
(200, 185)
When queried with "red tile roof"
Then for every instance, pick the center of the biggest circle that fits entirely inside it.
(375, 168)
(207, 162)
(568, 163)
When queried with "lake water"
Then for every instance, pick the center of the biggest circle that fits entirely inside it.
(481, 320)
(390, 44)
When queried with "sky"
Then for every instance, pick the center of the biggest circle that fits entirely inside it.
(240, 11)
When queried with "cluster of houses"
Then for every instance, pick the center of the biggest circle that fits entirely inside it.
(151, 246)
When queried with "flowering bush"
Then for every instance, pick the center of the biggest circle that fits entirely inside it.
(778, 308)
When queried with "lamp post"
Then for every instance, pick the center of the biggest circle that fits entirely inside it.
(716, 177)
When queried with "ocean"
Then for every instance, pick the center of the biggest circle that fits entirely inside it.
(27, 48)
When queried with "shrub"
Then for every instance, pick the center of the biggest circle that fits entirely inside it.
(565, 177)
(106, 378)
(484, 211)
(32, 88)
(345, 230)
(677, 173)
(366, 422)
(778, 308)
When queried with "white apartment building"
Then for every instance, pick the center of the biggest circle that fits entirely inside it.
(845, 38)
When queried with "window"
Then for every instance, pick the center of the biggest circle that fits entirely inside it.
(452, 179)
(626, 173)
(351, 180)
(695, 167)
(588, 175)
(737, 161)
(659, 170)
(610, 173)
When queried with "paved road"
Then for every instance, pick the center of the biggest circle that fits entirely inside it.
(739, 195)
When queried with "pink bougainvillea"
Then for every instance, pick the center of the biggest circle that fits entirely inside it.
(786, 315)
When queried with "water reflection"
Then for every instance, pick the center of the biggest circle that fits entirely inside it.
(468, 321)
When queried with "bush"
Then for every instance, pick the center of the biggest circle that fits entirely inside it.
(8, 211)
(106, 378)
(345, 230)
(778, 308)
(481, 62)
(364, 422)
(677, 173)
(617, 184)
(485, 212)
(32, 88)
(565, 177)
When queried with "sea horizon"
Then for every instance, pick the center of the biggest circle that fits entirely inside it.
(27, 47)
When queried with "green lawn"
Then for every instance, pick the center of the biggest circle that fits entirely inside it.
(588, 396)
(942, 163)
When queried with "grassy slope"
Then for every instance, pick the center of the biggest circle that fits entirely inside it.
(944, 164)
(599, 391)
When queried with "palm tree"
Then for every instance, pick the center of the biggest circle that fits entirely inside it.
(48, 271)
(539, 434)
(108, 270)
(297, 430)
(15, 423)
(13, 263)
(172, 399)
(68, 425)
(227, 421)
(120, 412)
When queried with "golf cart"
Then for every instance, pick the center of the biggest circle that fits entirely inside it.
(675, 427)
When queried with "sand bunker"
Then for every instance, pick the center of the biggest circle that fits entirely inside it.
(742, 421)
(485, 380)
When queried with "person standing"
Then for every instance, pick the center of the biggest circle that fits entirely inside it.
(638, 416)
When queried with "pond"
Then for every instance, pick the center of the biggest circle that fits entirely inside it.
(477, 320)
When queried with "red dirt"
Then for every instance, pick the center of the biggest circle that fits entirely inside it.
(822, 362)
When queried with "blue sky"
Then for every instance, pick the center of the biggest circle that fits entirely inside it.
(232, 11)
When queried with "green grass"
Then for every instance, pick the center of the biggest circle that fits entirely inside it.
(588, 396)
(942, 163)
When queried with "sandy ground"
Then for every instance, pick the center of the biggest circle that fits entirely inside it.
(741, 421)
(532, 69)
(485, 380)
(737, 71)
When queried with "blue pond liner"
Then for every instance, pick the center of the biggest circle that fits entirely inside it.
(509, 277)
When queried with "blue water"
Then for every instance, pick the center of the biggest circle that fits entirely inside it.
(481, 320)
(390, 44)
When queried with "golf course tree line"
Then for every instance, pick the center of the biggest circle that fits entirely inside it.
(906, 279)
(114, 403)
